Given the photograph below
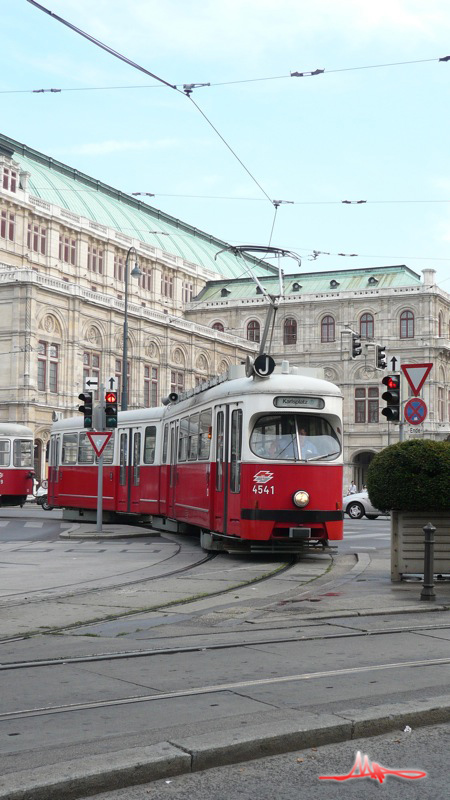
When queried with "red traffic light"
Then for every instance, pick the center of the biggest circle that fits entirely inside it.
(392, 381)
(111, 397)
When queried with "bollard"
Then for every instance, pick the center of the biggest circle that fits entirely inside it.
(427, 592)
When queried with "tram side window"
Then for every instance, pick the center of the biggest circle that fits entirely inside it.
(5, 451)
(149, 444)
(85, 450)
(205, 431)
(236, 450)
(69, 448)
(183, 439)
(108, 452)
(165, 444)
(23, 453)
(193, 437)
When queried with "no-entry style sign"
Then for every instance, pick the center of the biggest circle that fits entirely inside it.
(99, 440)
(415, 411)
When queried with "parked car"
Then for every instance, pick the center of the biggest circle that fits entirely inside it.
(357, 505)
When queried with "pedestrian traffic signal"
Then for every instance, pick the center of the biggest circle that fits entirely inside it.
(392, 398)
(381, 361)
(86, 409)
(111, 410)
(356, 345)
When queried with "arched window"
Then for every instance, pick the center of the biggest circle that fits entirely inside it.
(407, 325)
(290, 331)
(327, 329)
(218, 327)
(366, 326)
(253, 331)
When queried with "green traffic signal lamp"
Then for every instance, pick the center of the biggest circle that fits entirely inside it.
(86, 409)
(391, 397)
(111, 410)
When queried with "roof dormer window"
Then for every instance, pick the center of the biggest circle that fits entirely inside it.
(333, 284)
(372, 281)
(224, 292)
(296, 287)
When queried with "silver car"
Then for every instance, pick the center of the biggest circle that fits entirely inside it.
(357, 505)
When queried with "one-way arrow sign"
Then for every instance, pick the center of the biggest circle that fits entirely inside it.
(90, 383)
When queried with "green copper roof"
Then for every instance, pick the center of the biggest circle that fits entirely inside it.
(321, 283)
(80, 194)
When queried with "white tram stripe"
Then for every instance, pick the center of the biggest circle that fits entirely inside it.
(33, 524)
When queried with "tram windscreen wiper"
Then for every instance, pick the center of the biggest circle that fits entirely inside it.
(326, 455)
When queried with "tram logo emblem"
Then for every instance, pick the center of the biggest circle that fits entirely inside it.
(263, 476)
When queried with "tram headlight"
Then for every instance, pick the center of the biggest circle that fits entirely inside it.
(301, 498)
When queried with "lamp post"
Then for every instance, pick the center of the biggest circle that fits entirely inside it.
(135, 273)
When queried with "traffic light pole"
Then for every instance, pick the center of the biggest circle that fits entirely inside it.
(100, 479)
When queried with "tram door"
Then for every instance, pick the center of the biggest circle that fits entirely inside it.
(228, 450)
(173, 476)
(128, 490)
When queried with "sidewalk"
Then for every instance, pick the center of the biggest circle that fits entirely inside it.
(364, 590)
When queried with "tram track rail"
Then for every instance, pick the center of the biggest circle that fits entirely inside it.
(201, 647)
(232, 686)
(138, 612)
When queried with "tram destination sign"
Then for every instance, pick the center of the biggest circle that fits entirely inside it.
(299, 401)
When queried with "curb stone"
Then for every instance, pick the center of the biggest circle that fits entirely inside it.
(96, 774)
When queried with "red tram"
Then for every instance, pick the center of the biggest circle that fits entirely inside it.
(253, 463)
(16, 463)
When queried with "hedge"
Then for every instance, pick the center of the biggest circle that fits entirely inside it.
(411, 476)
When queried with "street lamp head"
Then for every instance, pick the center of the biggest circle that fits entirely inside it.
(136, 272)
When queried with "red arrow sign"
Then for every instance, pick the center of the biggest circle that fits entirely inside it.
(99, 440)
(416, 375)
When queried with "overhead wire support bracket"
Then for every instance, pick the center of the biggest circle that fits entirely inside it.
(307, 74)
(353, 202)
(189, 87)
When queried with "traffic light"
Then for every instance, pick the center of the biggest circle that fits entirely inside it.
(111, 410)
(381, 361)
(86, 409)
(392, 398)
(356, 345)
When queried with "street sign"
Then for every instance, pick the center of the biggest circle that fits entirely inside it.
(99, 440)
(91, 383)
(112, 384)
(393, 362)
(416, 375)
(264, 365)
(415, 411)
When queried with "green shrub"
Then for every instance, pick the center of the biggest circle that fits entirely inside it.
(411, 476)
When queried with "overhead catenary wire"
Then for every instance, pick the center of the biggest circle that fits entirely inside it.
(186, 92)
(179, 86)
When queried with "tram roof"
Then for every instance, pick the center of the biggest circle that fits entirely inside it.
(14, 429)
(276, 384)
(75, 192)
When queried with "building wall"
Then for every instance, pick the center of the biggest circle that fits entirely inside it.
(430, 306)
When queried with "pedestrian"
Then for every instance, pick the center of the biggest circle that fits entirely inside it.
(352, 488)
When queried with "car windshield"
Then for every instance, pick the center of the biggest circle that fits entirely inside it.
(294, 437)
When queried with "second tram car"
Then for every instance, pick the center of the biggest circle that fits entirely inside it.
(252, 463)
(16, 463)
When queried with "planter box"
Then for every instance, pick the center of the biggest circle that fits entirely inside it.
(407, 542)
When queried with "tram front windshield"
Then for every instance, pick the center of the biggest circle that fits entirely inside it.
(294, 437)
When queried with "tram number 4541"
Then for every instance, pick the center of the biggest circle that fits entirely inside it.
(263, 490)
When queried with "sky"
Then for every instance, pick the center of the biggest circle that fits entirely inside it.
(374, 126)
